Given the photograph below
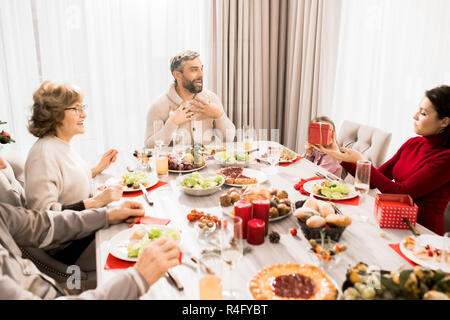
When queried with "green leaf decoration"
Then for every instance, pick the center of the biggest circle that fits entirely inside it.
(404, 275)
(390, 284)
(438, 276)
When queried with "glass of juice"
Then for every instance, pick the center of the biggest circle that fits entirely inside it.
(209, 270)
(248, 137)
(162, 161)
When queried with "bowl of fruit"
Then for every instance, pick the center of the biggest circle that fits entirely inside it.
(187, 163)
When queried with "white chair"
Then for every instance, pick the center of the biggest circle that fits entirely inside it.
(372, 142)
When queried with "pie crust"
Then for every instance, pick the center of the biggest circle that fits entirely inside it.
(262, 283)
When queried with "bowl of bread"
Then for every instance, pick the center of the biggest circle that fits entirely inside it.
(318, 217)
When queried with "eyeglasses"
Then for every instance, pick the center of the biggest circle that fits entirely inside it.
(79, 109)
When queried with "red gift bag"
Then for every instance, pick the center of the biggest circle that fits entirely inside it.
(390, 209)
(320, 133)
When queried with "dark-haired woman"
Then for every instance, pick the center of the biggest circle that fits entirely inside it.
(56, 177)
(421, 167)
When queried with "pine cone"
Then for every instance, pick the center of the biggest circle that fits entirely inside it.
(274, 237)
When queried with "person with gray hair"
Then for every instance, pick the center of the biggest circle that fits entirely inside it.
(188, 107)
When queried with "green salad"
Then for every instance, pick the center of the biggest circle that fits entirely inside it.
(225, 157)
(331, 190)
(133, 179)
(197, 181)
(136, 246)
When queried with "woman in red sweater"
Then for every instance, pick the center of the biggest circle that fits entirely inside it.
(421, 167)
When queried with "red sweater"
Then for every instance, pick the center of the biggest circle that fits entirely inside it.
(420, 168)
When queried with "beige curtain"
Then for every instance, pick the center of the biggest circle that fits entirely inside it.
(265, 62)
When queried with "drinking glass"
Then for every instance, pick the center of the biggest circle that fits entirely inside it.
(248, 136)
(157, 126)
(144, 158)
(232, 250)
(178, 146)
(362, 183)
(273, 157)
(209, 271)
(162, 161)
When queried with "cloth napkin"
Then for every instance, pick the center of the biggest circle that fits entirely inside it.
(289, 163)
(396, 248)
(139, 192)
(116, 263)
(299, 186)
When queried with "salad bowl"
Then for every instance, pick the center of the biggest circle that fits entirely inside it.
(233, 158)
(195, 184)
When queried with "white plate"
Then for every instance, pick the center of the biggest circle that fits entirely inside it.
(280, 160)
(251, 173)
(199, 192)
(153, 179)
(118, 245)
(187, 171)
(309, 185)
(432, 240)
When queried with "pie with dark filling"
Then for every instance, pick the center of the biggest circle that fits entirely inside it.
(292, 282)
(233, 175)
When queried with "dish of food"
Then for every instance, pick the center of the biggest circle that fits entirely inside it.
(227, 158)
(131, 181)
(292, 282)
(364, 282)
(325, 189)
(319, 219)
(238, 176)
(197, 185)
(427, 253)
(191, 161)
(211, 150)
(286, 156)
(206, 222)
(128, 244)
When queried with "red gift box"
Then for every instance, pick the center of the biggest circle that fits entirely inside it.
(390, 209)
(320, 133)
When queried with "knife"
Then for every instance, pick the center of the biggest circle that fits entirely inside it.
(333, 177)
(413, 230)
(321, 175)
(145, 194)
(175, 280)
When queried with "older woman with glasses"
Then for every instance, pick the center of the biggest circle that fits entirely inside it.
(56, 177)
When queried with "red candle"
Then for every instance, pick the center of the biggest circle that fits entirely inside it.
(255, 231)
(261, 209)
(243, 209)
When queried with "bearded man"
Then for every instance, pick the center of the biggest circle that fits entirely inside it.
(186, 107)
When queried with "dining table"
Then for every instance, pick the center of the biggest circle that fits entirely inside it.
(365, 240)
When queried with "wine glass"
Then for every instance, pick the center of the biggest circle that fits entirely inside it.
(157, 126)
(232, 250)
(362, 183)
(178, 146)
(144, 159)
(273, 157)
